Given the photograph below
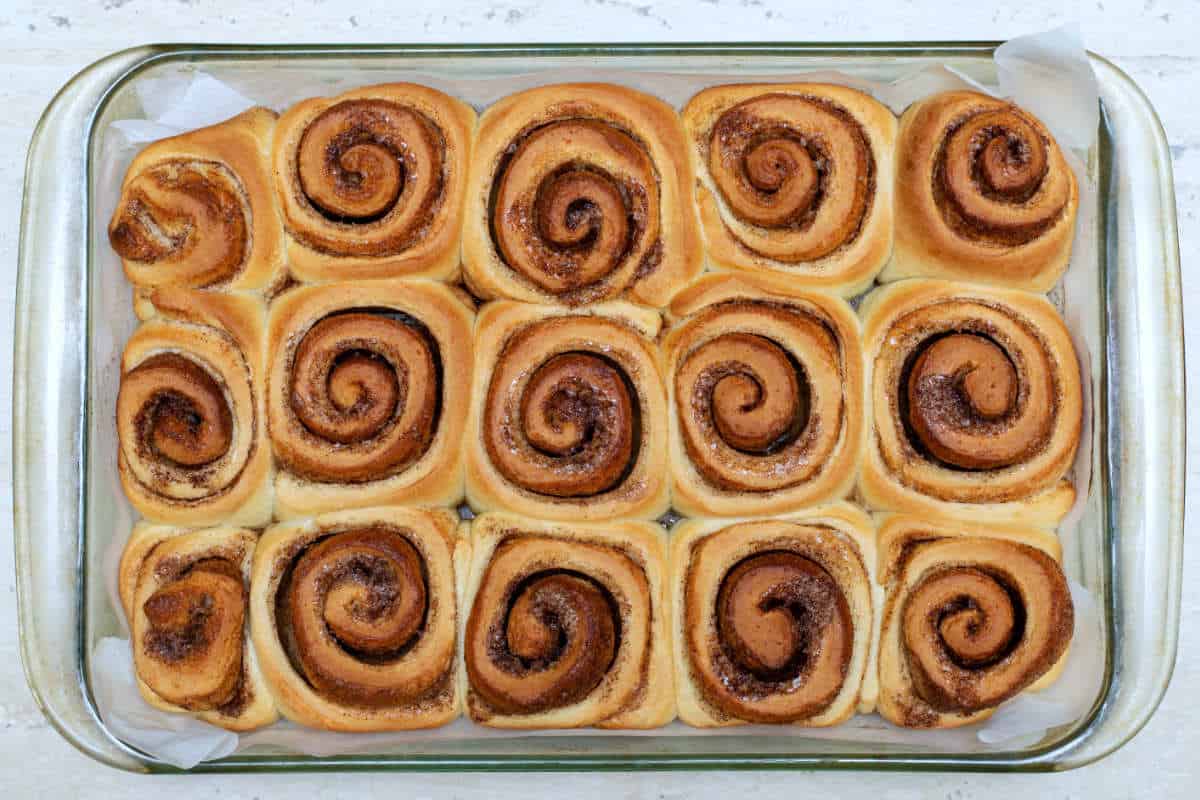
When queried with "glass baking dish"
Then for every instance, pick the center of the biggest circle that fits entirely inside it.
(1128, 554)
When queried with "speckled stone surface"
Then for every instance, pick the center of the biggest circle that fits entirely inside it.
(44, 42)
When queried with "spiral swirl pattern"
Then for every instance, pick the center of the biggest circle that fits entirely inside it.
(182, 223)
(362, 397)
(983, 193)
(976, 395)
(576, 209)
(556, 623)
(373, 170)
(189, 419)
(800, 167)
(974, 622)
(353, 605)
(563, 416)
(755, 416)
(993, 177)
(776, 620)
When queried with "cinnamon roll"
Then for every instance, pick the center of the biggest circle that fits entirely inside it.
(976, 403)
(184, 593)
(983, 193)
(190, 417)
(197, 210)
(567, 625)
(355, 618)
(371, 182)
(766, 396)
(975, 615)
(568, 416)
(580, 193)
(367, 395)
(794, 178)
(774, 619)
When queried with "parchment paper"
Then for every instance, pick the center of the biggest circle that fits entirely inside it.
(1047, 73)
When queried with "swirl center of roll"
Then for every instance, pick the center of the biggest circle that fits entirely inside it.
(358, 157)
(366, 381)
(575, 207)
(759, 401)
(559, 638)
(961, 391)
(182, 413)
(994, 169)
(354, 600)
(196, 632)
(576, 427)
(800, 167)
(777, 615)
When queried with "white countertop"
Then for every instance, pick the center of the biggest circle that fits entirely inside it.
(44, 42)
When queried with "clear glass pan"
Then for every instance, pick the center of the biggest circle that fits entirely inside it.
(1128, 553)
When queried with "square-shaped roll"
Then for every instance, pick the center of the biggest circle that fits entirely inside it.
(774, 620)
(567, 625)
(568, 415)
(765, 391)
(356, 615)
(371, 182)
(975, 615)
(580, 193)
(794, 179)
(975, 403)
(191, 423)
(185, 594)
(367, 394)
(198, 210)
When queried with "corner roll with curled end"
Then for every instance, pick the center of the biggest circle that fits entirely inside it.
(197, 210)
(190, 414)
(371, 182)
(367, 394)
(794, 179)
(355, 618)
(568, 417)
(975, 615)
(185, 595)
(975, 403)
(983, 193)
(580, 193)
(775, 619)
(567, 625)
(766, 396)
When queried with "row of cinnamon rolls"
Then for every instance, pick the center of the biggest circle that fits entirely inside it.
(582, 193)
(753, 398)
(397, 618)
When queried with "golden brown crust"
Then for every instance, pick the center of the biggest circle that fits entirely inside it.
(766, 396)
(371, 182)
(184, 593)
(568, 414)
(794, 179)
(191, 422)
(606, 583)
(1009, 454)
(197, 210)
(320, 584)
(974, 615)
(550, 164)
(983, 194)
(737, 662)
(367, 394)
